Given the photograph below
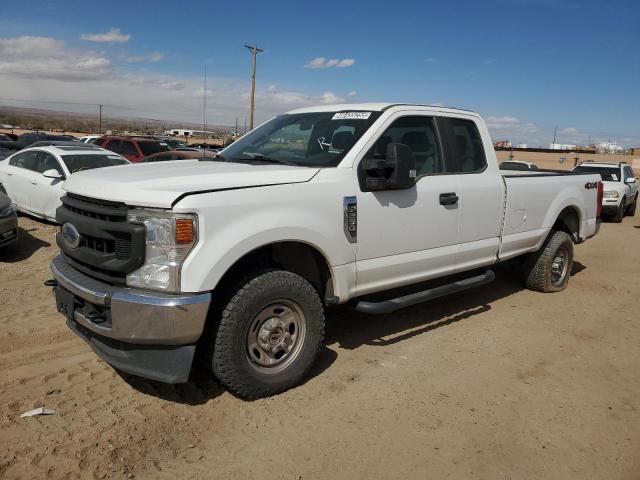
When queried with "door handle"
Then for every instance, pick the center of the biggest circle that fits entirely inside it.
(34, 182)
(449, 198)
(9, 174)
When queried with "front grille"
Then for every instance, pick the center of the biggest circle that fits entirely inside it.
(98, 209)
(110, 247)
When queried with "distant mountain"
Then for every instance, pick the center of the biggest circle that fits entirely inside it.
(44, 119)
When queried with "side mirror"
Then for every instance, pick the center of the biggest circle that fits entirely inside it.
(630, 180)
(52, 173)
(396, 172)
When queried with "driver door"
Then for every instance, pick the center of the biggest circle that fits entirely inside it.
(407, 236)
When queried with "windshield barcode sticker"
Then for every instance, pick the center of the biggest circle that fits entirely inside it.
(351, 116)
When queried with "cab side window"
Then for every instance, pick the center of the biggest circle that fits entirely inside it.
(420, 135)
(27, 160)
(113, 146)
(465, 152)
(628, 173)
(45, 162)
(128, 148)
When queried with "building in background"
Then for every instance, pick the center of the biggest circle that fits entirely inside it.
(609, 147)
(186, 132)
(562, 146)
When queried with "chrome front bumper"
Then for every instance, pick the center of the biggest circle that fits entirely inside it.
(147, 334)
(131, 315)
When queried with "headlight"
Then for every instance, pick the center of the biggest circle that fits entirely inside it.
(7, 211)
(611, 194)
(170, 238)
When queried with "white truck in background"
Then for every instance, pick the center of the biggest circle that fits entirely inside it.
(240, 254)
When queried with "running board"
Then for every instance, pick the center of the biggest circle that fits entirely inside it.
(394, 304)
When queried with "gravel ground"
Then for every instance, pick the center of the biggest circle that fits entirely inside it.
(497, 383)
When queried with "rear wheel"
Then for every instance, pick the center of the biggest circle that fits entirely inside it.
(620, 212)
(548, 269)
(269, 335)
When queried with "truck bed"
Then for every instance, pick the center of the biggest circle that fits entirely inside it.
(533, 200)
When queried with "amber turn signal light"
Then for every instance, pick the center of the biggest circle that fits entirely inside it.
(184, 231)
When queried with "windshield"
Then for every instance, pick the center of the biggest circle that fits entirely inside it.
(317, 139)
(149, 148)
(608, 174)
(76, 163)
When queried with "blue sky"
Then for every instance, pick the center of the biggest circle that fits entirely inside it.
(523, 64)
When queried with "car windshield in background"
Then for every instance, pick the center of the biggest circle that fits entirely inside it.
(317, 139)
(77, 163)
(149, 148)
(607, 174)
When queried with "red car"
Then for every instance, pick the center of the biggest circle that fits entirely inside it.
(133, 149)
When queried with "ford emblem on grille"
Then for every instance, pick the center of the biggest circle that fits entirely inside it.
(70, 235)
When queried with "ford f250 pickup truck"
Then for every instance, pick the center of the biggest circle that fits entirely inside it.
(240, 254)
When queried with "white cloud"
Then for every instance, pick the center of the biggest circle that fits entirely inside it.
(570, 130)
(513, 129)
(45, 69)
(47, 58)
(112, 36)
(323, 62)
(352, 93)
(430, 60)
(151, 58)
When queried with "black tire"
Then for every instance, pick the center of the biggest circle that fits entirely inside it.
(617, 218)
(235, 366)
(541, 267)
(631, 210)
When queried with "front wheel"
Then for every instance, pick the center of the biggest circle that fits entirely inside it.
(631, 211)
(617, 218)
(548, 269)
(269, 336)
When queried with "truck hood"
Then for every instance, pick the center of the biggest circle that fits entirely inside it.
(160, 184)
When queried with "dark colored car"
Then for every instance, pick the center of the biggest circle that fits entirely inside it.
(27, 139)
(6, 138)
(8, 220)
(134, 149)
(178, 155)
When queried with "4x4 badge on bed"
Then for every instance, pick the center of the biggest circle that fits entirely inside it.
(70, 235)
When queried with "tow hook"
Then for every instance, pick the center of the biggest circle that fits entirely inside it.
(51, 283)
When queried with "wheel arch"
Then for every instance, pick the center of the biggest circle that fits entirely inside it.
(569, 221)
(296, 256)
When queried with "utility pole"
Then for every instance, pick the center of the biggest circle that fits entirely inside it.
(235, 132)
(254, 51)
(100, 121)
(204, 106)
(554, 136)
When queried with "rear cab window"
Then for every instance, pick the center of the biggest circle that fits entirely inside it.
(464, 150)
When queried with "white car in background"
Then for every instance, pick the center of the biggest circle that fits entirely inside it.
(620, 187)
(88, 138)
(33, 177)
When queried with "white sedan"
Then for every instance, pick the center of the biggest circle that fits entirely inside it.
(33, 177)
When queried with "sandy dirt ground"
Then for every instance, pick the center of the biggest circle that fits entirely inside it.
(498, 383)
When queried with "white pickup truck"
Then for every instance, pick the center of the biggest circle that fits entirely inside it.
(240, 254)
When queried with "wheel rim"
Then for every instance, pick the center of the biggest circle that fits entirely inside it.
(276, 336)
(559, 266)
